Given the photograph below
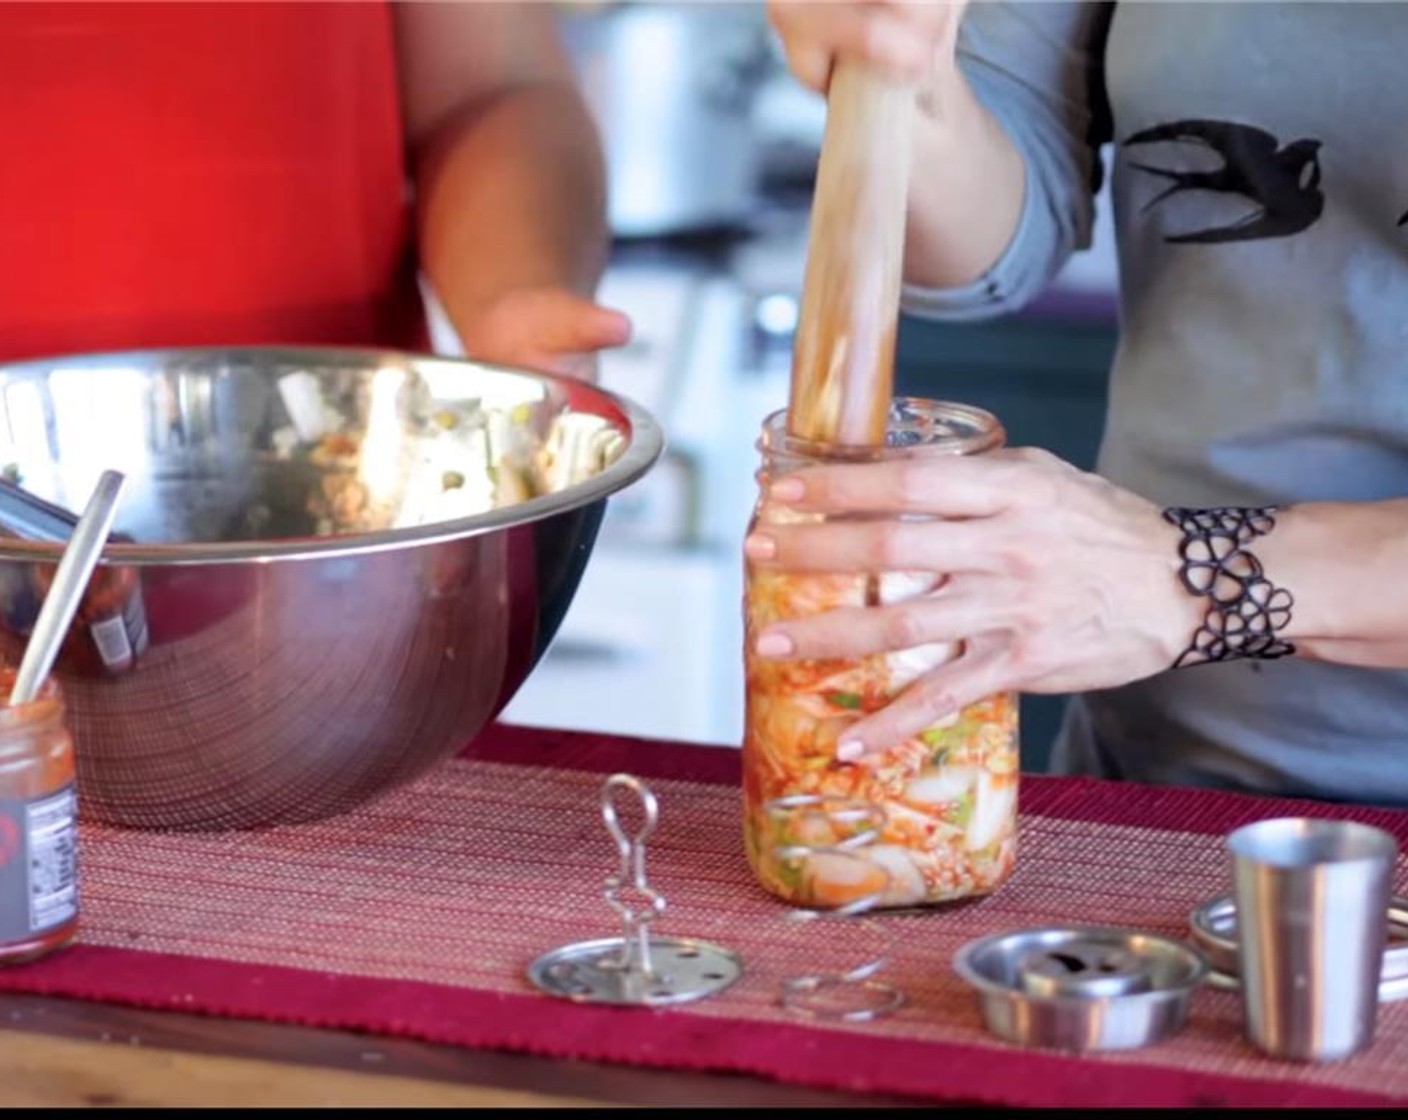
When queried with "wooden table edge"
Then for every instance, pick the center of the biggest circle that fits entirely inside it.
(69, 1052)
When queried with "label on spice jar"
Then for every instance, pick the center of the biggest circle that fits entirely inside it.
(110, 636)
(38, 864)
(122, 637)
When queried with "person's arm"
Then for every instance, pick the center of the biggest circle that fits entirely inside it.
(1344, 564)
(988, 230)
(967, 189)
(509, 178)
(1005, 146)
(1057, 581)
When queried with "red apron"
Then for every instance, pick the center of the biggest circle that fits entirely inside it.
(202, 173)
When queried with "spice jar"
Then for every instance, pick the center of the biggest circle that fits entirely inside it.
(116, 619)
(112, 620)
(949, 794)
(38, 826)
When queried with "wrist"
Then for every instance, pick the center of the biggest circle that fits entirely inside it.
(1344, 561)
(1247, 611)
(1181, 613)
(1287, 560)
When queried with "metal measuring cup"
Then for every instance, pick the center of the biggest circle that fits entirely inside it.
(1312, 899)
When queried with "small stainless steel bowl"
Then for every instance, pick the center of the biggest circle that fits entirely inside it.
(1213, 925)
(338, 565)
(1083, 987)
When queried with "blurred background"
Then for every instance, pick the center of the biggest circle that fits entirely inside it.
(711, 148)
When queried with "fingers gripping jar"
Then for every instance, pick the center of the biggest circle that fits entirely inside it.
(949, 794)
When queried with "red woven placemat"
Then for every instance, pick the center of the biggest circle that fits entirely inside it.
(418, 915)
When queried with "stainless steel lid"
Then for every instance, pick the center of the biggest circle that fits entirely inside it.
(1081, 987)
(1213, 925)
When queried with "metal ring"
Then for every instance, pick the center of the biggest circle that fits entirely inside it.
(1213, 926)
(862, 997)
(884, 999)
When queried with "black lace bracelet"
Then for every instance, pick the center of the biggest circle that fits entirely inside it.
(1245, 610)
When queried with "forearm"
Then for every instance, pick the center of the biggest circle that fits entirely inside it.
(511, 194)
(1345, 565)
(967, 188)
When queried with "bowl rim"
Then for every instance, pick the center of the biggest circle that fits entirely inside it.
(645, 445)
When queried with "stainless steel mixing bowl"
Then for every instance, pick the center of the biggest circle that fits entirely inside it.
(336, 566)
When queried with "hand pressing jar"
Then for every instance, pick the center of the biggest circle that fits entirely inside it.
(949, 792)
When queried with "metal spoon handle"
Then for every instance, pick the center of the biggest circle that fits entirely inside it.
(66, 593)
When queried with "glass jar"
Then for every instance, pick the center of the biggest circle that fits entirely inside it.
(38, 826)
(949, 794)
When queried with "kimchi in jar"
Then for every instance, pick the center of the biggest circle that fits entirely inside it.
(949, 794)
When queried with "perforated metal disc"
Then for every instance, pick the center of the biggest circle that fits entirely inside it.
(590, 972)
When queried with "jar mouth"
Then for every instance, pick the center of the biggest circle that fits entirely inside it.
(915, 426)
(47, 703)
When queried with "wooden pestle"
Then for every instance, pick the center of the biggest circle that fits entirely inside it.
(843, 361)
